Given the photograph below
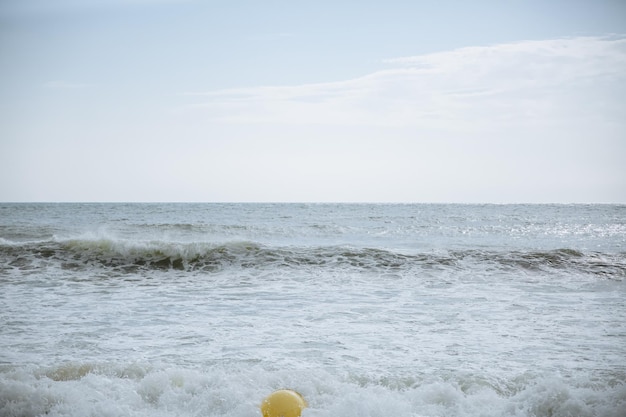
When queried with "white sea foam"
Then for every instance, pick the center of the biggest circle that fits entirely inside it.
(367, 310)
(107, 390)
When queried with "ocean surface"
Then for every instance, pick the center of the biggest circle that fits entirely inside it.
(365, 309)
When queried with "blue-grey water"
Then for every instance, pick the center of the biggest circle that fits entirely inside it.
(366, 309)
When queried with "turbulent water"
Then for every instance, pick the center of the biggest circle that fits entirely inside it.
(366, 310)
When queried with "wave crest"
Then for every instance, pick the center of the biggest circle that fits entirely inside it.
(128, 256)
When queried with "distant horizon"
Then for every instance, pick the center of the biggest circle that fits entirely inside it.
(328, 203)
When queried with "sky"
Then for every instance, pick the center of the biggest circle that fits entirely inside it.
(517, 101)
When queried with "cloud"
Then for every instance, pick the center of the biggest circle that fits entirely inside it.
(476, 88)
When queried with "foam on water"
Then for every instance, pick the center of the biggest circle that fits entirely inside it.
(140, 390)
(367, 310)
(127, 255)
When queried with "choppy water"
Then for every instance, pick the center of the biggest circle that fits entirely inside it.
(367, 310)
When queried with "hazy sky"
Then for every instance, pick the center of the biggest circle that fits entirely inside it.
(394, 101)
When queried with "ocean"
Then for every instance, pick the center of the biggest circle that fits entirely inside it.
(367, 310)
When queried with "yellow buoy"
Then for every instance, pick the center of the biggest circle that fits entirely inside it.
(283, 403)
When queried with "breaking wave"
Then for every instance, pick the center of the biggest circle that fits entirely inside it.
(128, 256)
(139, 390)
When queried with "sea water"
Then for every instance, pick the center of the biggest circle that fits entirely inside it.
(365, 309)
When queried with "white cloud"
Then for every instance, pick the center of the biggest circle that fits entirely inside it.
(537, 121)
(475, 88)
